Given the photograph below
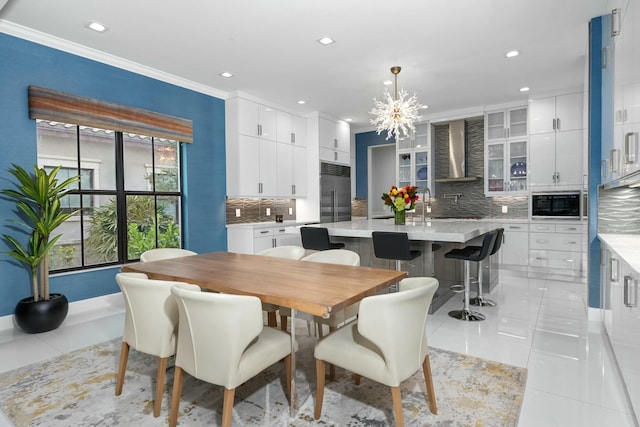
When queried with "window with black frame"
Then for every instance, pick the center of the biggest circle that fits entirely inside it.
(127, 201)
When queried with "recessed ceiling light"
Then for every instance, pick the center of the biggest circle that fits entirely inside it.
(349, 119)
(524, 89)
(226, 74)
(512, 53)
(302, 101)
(325, 41)
(387, 82)
(96, 26)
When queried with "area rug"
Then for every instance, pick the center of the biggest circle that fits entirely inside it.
(77, 389)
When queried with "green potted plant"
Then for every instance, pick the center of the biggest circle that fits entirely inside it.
(37, 197)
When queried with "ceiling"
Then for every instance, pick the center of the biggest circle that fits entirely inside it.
(452, 52)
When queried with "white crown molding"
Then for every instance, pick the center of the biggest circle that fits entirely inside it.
(105, 58)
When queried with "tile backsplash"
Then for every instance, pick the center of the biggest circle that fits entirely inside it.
(619, 211)
(255, 210)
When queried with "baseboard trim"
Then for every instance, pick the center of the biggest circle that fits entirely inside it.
(79, 308)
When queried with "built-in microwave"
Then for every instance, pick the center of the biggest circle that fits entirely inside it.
(567, 205)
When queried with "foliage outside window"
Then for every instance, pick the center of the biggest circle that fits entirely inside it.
(129, 195)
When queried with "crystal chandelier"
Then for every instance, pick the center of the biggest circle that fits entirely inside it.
(396, 115)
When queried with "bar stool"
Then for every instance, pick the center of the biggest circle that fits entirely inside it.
(480, 300)
(317, 238)
(468, 254)
(393, 246)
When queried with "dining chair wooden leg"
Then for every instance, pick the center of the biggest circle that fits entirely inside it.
(320, 330)
(162, 369)
(332, 367)
(122, 367)
(357, 378)
(287, 367)
(227, 406)
(397, 406)
(319, 388)
(175, 397)
(283, 323)
(271, 319)
(428, 379)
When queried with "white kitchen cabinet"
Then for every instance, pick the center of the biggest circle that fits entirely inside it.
(334, 141)
(253, 239)
(255, 175)
(291, 129)
(555, 160)
(505, 152)
(256, 119)
(515, 246)
(623, 157)
(256, 164)
(291, 170)
(557, 247)
(505, 123)
(413, 164)
(505, 167)
(556, 113)
(556, 142)
(621, 317)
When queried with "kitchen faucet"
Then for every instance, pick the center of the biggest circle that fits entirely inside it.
(424, 199)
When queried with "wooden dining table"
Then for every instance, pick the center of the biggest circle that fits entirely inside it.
(311, 287)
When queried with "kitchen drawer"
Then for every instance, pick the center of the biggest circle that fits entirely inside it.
(556, 259)
(556, 241)
(542, 227)
(570, 228)
(281, 230)
(523, 226)
(261, 232)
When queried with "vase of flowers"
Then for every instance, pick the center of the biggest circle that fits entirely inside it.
(400, 200)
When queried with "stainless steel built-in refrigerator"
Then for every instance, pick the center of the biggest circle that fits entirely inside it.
(335, 193)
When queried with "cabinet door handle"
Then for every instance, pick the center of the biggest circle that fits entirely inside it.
(293, 138)
(293, 189)
(335, 143)
(259, 130)
(630, 292)
(513, 227)
(618, 116)
(282, 230)
(558, 124)
(630, 147)
(570, 243)
(542, 241)
(554, 124)
(259, 187)
(572, 228)
(540, 258)
(274, 242)
(605, 57)
(264, 232)
(335, 156)
(557, 177)
(614, 159)
(613, 263)
(567, 260)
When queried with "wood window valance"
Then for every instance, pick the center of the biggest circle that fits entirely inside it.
(48, 104)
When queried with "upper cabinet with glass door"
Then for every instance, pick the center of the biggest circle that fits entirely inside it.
(413, 159)
(506, 152)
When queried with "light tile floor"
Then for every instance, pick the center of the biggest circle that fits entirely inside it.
(540, 324)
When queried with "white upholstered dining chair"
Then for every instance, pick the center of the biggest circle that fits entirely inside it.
(158, 254)
(387, 343)
(288, 252)
(222, 340)
(150, 325)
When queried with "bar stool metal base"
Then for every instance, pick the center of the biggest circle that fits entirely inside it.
(481, 301)
(468, 315)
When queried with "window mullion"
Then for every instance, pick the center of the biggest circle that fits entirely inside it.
(121, 200)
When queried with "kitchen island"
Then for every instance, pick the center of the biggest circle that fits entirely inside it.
(423, 236)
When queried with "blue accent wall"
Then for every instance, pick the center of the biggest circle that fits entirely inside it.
(25, 63)
(363, 142)
(600, 137)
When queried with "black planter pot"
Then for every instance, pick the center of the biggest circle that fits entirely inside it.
(42, 316)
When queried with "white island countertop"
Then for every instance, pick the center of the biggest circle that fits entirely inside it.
(626, 246)
(439, 230)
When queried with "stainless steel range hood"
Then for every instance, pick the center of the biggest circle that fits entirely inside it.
(457, 154)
